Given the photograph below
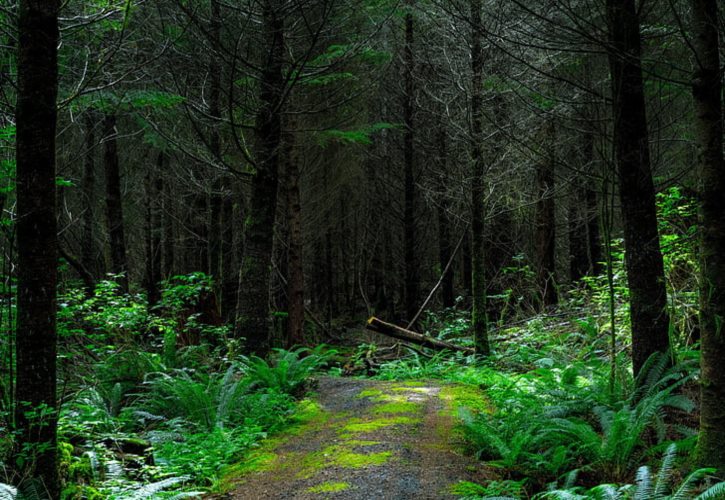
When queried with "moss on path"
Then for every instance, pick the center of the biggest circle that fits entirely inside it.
(362, 439)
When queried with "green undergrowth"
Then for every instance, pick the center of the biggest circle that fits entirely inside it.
(551, 413)
(158, 402)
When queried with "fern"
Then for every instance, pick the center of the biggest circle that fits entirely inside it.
(150, 491)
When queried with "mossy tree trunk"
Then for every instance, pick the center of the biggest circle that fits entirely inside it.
(37, 243)
(707, 88)
(479, 321)
(253, 299)
(645, 268)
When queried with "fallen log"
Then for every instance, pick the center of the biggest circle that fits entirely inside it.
(390, 330)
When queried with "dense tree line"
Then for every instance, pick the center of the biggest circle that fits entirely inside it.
(325, 160)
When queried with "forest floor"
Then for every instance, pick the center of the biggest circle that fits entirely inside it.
(365, 439)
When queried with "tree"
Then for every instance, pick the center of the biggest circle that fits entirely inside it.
(545, 230)
(36, 402)
(412, 278)
(114, 202)
(645, 268)
(253, 306)
(707, 91)
(478, 190)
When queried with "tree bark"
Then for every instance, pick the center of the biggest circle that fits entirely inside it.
(37, 242)
(578, 238)
(479, 321)
(409, 220)
(114, 205)
(545, 238)
(153, 189)
(707, 89)
(645, 268)
(216, 199)
(253, 304)
(444, 227)
(168, 244)
(88, 188)
(295, 263)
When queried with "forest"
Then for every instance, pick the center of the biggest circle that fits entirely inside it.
(362, 249)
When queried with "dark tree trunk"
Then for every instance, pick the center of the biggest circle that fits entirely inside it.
(594, 237)
(578, 238)
(37, 244)
(216, 199)
(479, 320)
(645, 268)
(545, 230)
(295, 263)
(467, 260)
(229, 268)
(253, 308)
(114, 206)
(445, 247)
(168, 245)
(153, 190)
(707, 89)
(88, 187)
(409, 220)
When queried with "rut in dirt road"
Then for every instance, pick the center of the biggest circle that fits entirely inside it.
(365, 440)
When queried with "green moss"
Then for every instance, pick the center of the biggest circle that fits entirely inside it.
(357, 425)
(339, 456)
(397, 407)
(258, 461)
(413, 383)
(464, 396)
(329, 487)
(420, 390)
(361, 442)
(370, 393)
(351, 460)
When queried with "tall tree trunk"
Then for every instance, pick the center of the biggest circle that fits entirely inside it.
(216, 199)
(578, 238)
(37, 244)
(645, 268)
(168, 245)
(545, 230)
(253, 308)
(594, 237)
(295, 264)
(445, 247)
(114, 205)
(153, 190)
(707, 89)
(409, 220)
(478, 192)
(88, 187)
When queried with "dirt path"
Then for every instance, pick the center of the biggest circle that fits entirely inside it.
(363, 440)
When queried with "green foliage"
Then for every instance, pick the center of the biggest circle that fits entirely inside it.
(286, 371)
(362, 136)
(663, 486)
